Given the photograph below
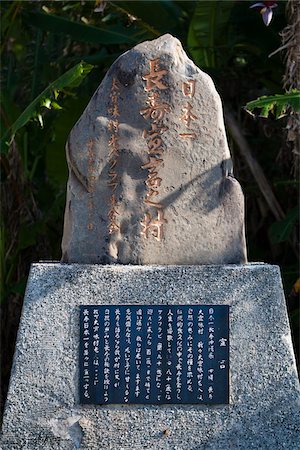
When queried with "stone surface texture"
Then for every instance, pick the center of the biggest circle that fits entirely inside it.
(42, 410)
(200, 218)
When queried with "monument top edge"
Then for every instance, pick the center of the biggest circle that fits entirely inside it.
(124, 267)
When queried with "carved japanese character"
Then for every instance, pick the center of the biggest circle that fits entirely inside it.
(155, 146)
(113, 176)
(155, 110)
(155, 130)
(113, 227)
(188, 135)
(114, 140)
(152, 164)
(114, 110)
(188, 88)
(154, 204)
(153, 181)
(153, 78)
(113, 200)
(115, 84)
(112, 163)
(151, 193)
(188, 116)
(153, 226)
(113, 126)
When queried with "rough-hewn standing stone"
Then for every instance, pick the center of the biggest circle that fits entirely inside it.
(154, 108)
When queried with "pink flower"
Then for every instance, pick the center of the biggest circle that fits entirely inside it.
(266, 10)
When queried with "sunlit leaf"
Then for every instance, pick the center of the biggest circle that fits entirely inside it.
(71, 78)
(275, 104)
(55, 105)
(46, 103)
(40, 119)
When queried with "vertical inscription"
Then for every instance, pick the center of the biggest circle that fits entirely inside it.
(154, 112)
(127, 354)
(96, 342)
(170, 337)
(86, 354)
(113, 157)
(188, 117)
(117, 351)
(200, 345)
(179, 354)
(211, 352)
(107, 351)
(159, 353)
(149, 352)
(190, 355)
(138, 352)
(91, 178)
(154, 354)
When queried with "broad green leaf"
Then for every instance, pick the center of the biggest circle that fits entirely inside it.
(71, 78)
(280, 231)
(102, 34)
(155, 17)
(276, 104)
(97, 58)
(207, 28)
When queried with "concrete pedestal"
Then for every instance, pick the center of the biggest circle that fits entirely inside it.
(42, 409)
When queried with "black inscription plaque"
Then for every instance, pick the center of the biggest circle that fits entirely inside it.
(156, 354)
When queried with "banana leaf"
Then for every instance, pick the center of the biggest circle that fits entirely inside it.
(276, 104)
(102, 34)
(71, 78)
(207, 29)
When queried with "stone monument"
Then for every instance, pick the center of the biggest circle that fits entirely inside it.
(154, 332)
(151, 177)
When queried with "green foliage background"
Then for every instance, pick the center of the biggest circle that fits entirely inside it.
(54, 55)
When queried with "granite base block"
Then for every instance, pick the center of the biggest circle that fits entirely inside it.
(43, 411)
